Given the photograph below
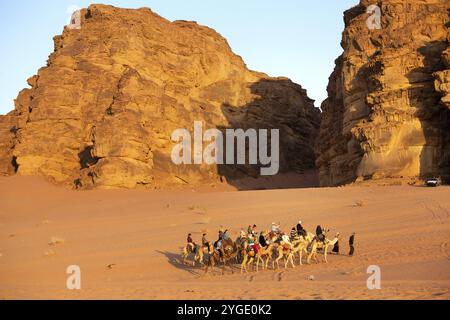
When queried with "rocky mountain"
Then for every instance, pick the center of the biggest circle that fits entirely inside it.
(101, 113)
(388, 114)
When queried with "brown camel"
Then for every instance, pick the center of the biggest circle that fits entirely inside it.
(229, 252)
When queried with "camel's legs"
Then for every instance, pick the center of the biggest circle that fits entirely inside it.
(277, 260)
(308, 261)
(244, 264)
(200, 257)
(209, 264)
(250, 262)
(185, 256)
(291, 258)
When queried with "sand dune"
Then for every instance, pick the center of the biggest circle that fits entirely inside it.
(127, 243)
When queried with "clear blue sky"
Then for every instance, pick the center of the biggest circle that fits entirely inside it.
(299, 39)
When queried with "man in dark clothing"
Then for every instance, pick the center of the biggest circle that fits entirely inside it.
(300, 230)
(262, 240)
(336, 245)
(351, 242)
(319, 233)
(218, 245)
(205, 242)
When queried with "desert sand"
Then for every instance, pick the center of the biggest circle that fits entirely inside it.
(128, 243)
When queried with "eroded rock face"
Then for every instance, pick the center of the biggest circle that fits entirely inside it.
(387, 112)
(7, 132)
(101, 113)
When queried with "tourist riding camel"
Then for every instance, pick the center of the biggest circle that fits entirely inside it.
(294, 234)
(319, 234)
(225, 235)
(190, 243)
(192, 248)
(262, 240)
(253, 231)
(300, 230)
(286, 241)
(205, 242)
(275, 228)
(252, 244)
(218, 243)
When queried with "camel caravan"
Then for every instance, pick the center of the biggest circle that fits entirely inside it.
(259, 251)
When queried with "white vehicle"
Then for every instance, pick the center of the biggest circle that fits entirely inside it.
(433, 182)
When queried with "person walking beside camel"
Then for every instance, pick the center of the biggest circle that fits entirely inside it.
(351, 242)
(336, 245)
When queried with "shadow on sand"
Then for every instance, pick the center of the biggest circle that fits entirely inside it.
(176, 260)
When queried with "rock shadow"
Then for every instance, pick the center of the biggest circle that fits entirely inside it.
(433, 115)
(283, 105)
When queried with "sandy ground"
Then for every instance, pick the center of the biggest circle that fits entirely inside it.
(139, 235)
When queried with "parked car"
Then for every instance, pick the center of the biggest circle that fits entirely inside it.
(433, 182)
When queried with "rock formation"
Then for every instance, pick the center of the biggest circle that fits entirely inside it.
(387, 114)
(102, 111)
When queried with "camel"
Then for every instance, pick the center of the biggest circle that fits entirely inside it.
(300, 245)
(248, 258)
(315, 244)
(264, 252)
(198, 252)
(286, 252)
(229, 252)
(240, 244)
(309, 237)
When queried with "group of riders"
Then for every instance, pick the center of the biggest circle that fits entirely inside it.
(257, 240)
